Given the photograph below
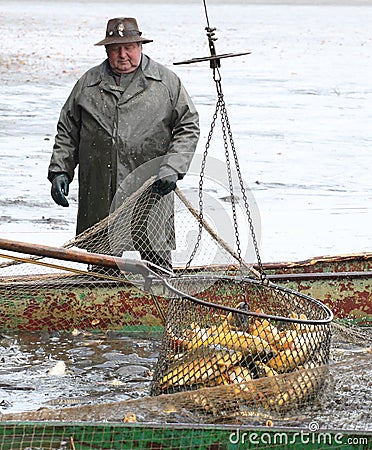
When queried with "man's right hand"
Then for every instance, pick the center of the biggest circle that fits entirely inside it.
(59, 189)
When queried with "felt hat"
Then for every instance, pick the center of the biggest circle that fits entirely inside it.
(123, 30)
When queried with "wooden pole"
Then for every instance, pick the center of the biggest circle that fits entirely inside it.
(127, 265)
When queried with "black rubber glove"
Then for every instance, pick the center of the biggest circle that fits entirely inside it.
(166, 181)
(59, 189)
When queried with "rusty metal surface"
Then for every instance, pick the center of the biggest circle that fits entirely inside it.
(100, 307)
(344, 283)
(355, 262)
(347, 297)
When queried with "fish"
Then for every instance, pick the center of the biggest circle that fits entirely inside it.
(308, 341)
(295, 353)
(301, 387)
(200, 338)
(240, 321)
(286, 338)
(240, 351)
(130, 418)
(202, 401)
(58, 369)
(302, 327)
(190, 373)
(266, 330)
(238, 374)
(287, 360)
(69, 401)
(199, 369)
(264, 370)
(180, 341)
(233, 340)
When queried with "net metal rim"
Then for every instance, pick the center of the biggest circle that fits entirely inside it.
(318, 304)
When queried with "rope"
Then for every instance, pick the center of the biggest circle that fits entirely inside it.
(212, 233)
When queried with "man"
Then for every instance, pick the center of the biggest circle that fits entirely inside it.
(124, 113)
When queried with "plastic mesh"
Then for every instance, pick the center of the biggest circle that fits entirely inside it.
(203, 437)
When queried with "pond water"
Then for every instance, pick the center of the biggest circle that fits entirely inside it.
(70, 369)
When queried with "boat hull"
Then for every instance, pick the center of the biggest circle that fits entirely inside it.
(343, 283)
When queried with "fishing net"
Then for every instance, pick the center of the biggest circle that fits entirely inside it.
(342, 401)
(45, 292)
(231, 346)
(225, 344)
(215, 345)
(230, 349)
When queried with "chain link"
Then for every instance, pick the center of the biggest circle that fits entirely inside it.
(242, 188)
(201, 182)
(227, 139)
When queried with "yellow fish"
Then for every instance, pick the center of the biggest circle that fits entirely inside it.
(200, 369)
(232, 340)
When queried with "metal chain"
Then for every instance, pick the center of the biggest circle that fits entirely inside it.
(224, 125)
(242, 188)
(201, 181)
(227, 138)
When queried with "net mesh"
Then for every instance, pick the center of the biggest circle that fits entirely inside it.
(205, 344)
(339, 381)
(143, 225)
(119, 436)
(233, 349)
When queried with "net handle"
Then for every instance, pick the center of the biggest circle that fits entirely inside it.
(140, 268)
(259, 315)
(127, 265)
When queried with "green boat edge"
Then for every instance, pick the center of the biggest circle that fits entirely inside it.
(92, 435)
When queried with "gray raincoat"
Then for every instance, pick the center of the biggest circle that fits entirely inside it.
(108, 132)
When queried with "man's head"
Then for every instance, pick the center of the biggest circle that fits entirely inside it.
(123, 43)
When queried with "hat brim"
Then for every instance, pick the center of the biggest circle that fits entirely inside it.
(123, 40)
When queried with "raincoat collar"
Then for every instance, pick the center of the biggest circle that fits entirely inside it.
(150, 68)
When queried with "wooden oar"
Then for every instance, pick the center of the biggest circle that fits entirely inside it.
(127, 265)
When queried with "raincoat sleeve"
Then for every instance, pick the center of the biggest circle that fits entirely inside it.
(185, 131)
(65, 150)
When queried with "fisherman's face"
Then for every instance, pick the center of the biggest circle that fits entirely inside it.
(124, 58)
